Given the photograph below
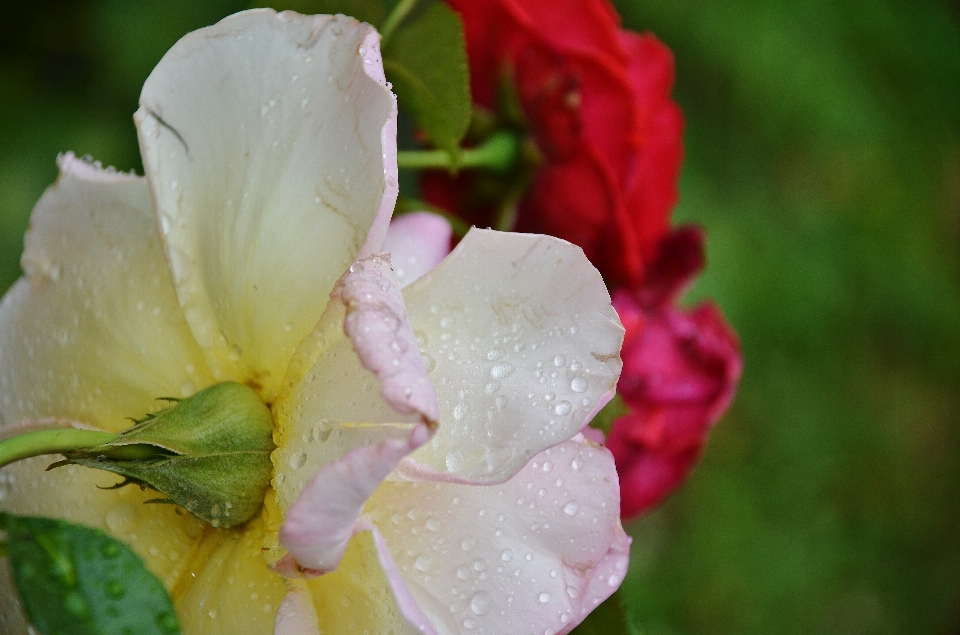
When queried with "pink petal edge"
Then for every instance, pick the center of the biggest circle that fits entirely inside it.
(401, 592)
(379, 328)
(296, 615)
(326, 515)
(373, 66)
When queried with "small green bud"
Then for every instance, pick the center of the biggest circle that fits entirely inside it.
(209, 453)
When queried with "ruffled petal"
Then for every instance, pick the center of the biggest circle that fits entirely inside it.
(93, 332)
(357, 380)
(266, 141)
(521, 342)
(318, 526)
(417, 242)
(535, 554)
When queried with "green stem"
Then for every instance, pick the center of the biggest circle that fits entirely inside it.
(403, 8)
(51, 442)
(498, 153)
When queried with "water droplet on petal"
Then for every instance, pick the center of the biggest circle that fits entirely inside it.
(544, 598)
(480, 603)
(297, 460)
(571, 508)
(579, 384)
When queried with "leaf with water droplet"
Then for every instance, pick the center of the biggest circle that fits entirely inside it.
(76, 580)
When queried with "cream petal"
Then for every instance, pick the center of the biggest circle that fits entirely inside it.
(357, 380)
(535, 554)
(93, 331)
(522, 343)
(417, 242)
(228, 587)
(267, 142)
(357, 597)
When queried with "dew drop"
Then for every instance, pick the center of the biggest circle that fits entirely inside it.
(559, 361)
(423, 563)
(579, 384)
(123, 518)
(297, 460)
(563, 408)
(433, 524)
(571, 508)
(544, 598)
(480, 603)
(468, 543)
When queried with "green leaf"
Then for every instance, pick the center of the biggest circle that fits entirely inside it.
(609, 618)
(426, 61)
(76, 580)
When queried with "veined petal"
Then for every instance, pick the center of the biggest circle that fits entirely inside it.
(357, 380)
(521, 342)
(263, 137)
(417, 242)
(547, 544)
(93, 332)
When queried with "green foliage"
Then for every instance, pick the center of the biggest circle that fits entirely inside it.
(609, 618)
(426, 61)
(75, 580)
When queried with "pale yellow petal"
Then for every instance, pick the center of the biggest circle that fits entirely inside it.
(93, 332)
(263, 140)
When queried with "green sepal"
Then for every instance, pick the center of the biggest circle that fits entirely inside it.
(209, 453)
(426, 62)
(75, 580)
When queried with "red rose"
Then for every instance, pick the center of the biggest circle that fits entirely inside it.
(680, 372)
(597, 101)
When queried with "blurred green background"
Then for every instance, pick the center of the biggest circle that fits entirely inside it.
(823, 157)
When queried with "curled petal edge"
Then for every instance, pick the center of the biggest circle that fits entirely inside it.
(319, 525)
